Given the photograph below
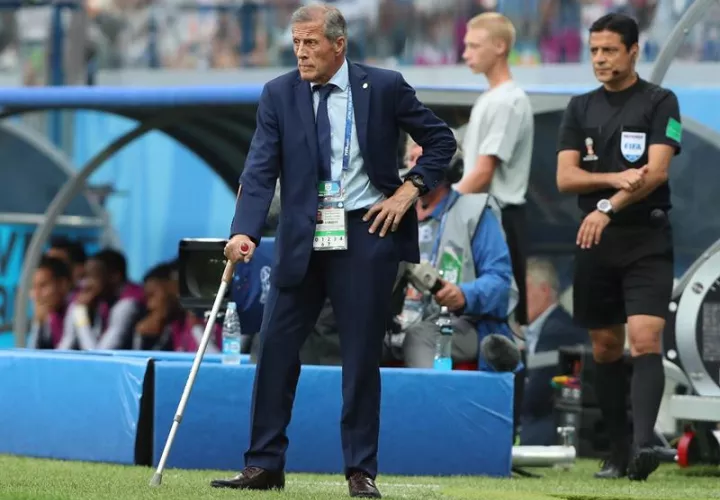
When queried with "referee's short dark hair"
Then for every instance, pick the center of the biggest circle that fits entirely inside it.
(57, 267)
(621, 24)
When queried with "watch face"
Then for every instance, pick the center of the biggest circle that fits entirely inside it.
(604, 206)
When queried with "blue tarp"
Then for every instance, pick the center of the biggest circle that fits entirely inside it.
(70, 406)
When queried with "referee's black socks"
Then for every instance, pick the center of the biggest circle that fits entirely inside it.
(646, 392)
(611, 390)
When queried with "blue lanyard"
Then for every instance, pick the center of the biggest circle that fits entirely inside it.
(348, 137)
(443, 219)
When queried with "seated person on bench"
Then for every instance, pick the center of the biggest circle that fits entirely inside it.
(461, 236)
(105, 310)
(52, 282)
(167, 326)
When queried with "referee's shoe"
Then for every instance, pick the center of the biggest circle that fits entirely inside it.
(616, 465)
(643, 463)
(637, 465)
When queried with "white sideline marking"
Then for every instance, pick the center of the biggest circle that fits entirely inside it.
(380, 484)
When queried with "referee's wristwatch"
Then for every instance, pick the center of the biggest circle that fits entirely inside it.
(605, 206)
(417, 181)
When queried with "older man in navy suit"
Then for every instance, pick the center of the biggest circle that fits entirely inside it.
(330, 131)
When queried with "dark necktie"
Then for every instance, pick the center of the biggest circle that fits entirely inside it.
(322, 125)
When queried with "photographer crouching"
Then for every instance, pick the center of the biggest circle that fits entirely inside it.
(462, 241)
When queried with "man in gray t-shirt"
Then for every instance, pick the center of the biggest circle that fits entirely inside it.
(497, 142)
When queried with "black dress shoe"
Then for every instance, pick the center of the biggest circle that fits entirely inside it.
(616, 466)
(362, 486)
(643, 463)
(611, 469)
(253, 478)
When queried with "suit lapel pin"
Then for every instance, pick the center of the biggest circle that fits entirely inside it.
(365, 85)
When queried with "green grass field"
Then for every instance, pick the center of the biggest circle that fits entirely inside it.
(33, 479)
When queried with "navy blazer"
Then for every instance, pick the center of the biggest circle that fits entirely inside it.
(285, 145)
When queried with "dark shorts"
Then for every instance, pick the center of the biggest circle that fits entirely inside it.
(629, 273)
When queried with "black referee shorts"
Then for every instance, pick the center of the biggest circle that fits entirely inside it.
(629, 273)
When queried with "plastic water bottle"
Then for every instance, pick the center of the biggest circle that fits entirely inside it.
(231, 336)
(443, 348)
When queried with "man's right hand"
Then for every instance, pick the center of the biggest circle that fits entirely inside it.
(630, 179)
(239, 248)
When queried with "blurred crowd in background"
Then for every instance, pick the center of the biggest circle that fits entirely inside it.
(201, 34)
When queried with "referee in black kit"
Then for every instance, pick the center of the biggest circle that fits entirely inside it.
(614, 151)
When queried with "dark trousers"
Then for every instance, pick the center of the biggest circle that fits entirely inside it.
(359, 283)
(515, 227)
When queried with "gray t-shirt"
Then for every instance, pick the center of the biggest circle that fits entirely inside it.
(501, 125)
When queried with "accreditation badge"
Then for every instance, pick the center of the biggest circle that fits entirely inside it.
(331, 223)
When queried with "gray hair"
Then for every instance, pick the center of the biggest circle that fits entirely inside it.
(543, 271)
(335, 25)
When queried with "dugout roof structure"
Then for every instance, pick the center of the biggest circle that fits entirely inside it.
(44, 171)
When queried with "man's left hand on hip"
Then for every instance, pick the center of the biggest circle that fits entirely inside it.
(389, 213)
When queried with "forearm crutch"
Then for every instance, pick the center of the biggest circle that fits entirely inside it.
(226, 278)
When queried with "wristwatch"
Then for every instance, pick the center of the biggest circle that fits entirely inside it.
(417, 181)
(605, 206)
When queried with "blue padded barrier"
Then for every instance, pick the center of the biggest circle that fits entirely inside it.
(70, 406)
(156, 355)
(170, 355)
(432, 423)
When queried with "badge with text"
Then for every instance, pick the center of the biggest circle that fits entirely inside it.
(329, 190)
(632, 145)
(331, 226)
